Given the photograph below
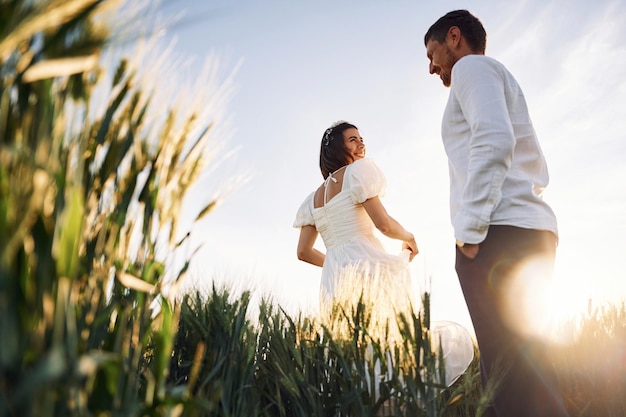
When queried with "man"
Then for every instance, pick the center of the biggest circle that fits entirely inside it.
(501, 223)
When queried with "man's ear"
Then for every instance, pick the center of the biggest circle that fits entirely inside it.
(454, 36)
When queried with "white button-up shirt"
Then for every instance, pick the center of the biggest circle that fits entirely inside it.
(497, 169)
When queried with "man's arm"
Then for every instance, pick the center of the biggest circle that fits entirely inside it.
(479, 88)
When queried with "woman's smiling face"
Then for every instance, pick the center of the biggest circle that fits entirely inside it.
(354, 143)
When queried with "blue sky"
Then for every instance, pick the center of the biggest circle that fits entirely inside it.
(297, 67)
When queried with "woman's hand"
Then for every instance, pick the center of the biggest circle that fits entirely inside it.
(411, 246)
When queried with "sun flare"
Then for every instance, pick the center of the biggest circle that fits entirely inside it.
(548, 308)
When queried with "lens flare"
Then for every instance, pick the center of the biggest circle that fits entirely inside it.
(541, 303)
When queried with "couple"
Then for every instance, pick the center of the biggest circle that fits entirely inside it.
(497, 174)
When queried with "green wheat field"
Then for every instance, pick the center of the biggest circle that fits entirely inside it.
(93, 172)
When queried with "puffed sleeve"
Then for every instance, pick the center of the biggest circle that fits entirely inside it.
(366, 180)
(304, 217)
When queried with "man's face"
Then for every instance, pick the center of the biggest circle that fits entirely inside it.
(441, 60)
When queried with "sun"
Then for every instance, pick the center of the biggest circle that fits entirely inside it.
(547, 307)
(564, 301)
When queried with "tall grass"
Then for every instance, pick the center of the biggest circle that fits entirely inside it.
(90, 197)
(592, 370)
(277, 365)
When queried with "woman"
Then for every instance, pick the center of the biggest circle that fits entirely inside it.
(345, 210)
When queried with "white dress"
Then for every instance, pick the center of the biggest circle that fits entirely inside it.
(356, 263)
(357, 266)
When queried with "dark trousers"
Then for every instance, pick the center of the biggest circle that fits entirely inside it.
(496, 286)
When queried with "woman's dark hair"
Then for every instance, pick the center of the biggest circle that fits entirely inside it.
(333, 152)
(471, 29)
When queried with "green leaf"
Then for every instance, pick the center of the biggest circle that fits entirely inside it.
(70, 227)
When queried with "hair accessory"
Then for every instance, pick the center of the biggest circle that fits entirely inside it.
(328, 134)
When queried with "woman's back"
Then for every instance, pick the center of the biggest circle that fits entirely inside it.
(338, 217)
